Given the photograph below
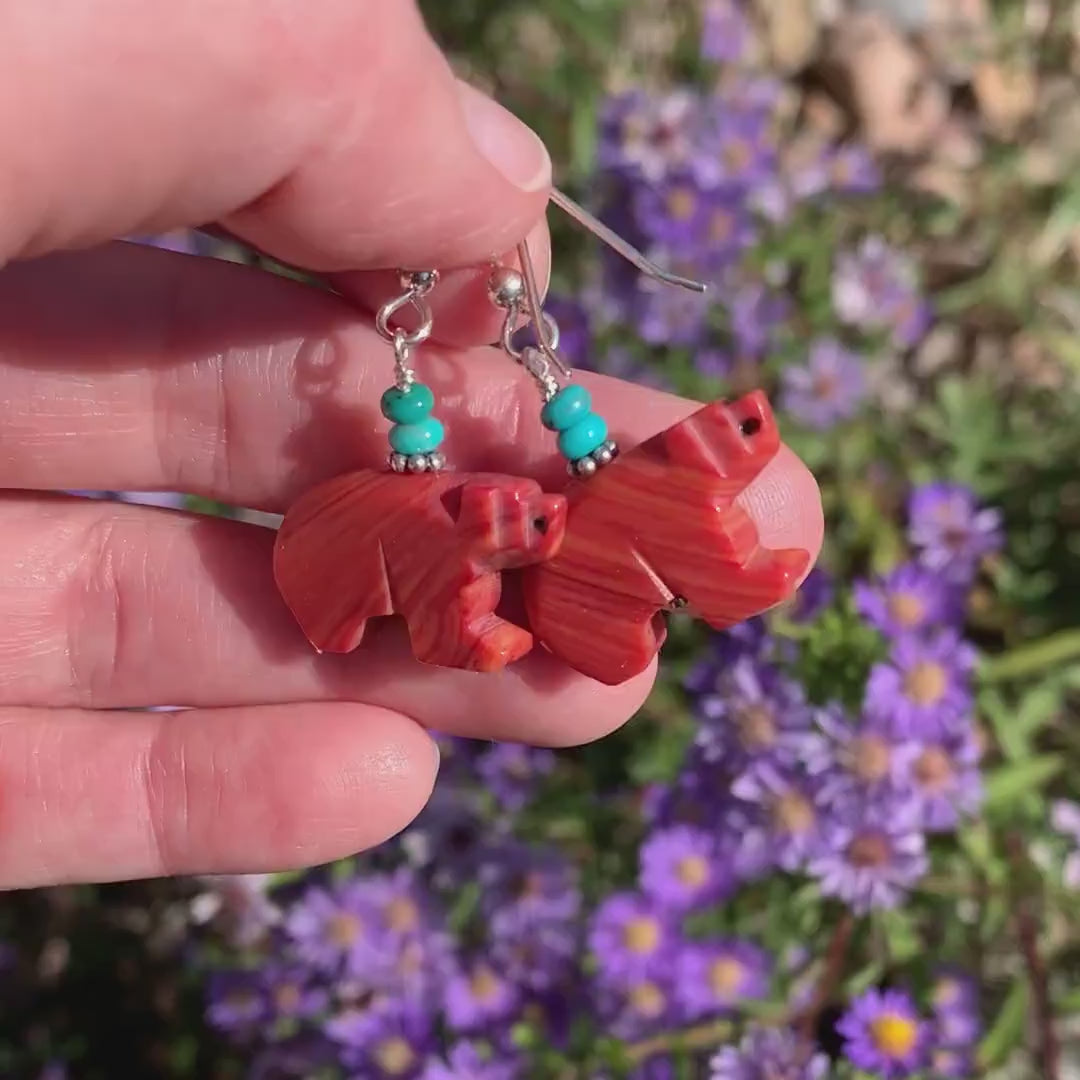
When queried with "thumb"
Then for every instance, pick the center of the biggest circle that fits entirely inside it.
(333, 136)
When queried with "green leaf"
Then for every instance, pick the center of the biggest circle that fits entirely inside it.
(1007, 1030)
(1011, 783)
(901, 934)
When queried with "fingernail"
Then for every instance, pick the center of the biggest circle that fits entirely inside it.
(514, 149)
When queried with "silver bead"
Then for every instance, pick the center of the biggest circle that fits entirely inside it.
(602, 455)
(612, 447)
(418, 463)
(436, 461)
(506, 287)
(398, 462)
(420, 280)
(585, 466)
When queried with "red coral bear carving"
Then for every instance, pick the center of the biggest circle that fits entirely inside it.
(657, 529)
(429, 547)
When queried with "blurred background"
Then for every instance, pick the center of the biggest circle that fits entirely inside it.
(843, 841)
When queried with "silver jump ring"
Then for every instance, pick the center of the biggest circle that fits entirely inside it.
(390, 309)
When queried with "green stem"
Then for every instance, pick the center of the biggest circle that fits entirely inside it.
(1033, 658)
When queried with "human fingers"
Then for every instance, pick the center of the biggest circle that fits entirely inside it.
(333, 136)
(224, 382)
(106, 605)
(94, 796)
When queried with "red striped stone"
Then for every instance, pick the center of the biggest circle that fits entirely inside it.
(658, 526)
(429, 547)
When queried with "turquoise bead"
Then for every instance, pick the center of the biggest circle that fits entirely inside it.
(419, 438)
(566, 408)
(407, 406)
(584, 437)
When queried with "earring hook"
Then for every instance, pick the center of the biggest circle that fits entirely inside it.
(545, 341)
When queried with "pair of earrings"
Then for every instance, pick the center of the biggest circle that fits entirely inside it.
(633, 535)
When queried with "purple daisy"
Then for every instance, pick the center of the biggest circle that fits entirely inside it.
(769, 1054)
(738, 145)
(908, 599)
(814, 595)
(387, 1039)
(923, 689)
(853, 170)
(786, 821)
(647, 136)
(472, 1061)
(681, 869)
(883, 1034)
(725, 31)
(755, 312)
(755, 714)
(541, 881)
(237, 1004)
(951, 1062)
(512, 771)
(872, 858)
(536, 952)
(630, 936)
(714, 977)
(478, 998)
(331, 929)
(856, 760)
(667, 316)
(642, 1006)
(675, 213)
(830, 388)
(951, 531)
(291, 993)
(946, 780)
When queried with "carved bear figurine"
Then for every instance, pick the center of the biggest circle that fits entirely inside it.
(659, 529)
(428, 547)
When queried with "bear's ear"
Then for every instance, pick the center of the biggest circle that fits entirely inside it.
(481, 505)
(725, 439)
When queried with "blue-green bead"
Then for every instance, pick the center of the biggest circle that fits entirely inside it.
(407, 406)
(419, 438)
(587, 435)
(571, 404)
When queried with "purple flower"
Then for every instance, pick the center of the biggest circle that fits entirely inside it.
(946, 780)
(470, 1061)
(953, 989)
(668, 316)
(875, 287)
(952, 533)
(830, 388)
(725, 31)
(538, 880)
(855, 760)
(387, 1039)
(951, 1062)
(922, 691)
(237, 1005)
(647, 136)
(813, 596)
(769, 1054)
(755, 312)
(787, 824)
(1065, 821)
(871, 857)
(630, 936)
(511, 772)
(331, 928)
(642, 1006)
(910, 598)
(575, 332)
(681, 869)
(852, 170)
(291, 994)
(754, 714)
(532, 950)
(478, 998)
(737, 143)
(884, 1035)
(715, 977)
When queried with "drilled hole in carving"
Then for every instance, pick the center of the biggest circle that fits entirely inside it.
(750, 426)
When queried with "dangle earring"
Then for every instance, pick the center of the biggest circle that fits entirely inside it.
(653, 529)
(413, 539)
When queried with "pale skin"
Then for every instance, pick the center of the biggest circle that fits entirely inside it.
(333, 136)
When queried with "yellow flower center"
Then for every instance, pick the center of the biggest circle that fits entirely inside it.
(906, 609)
(642, 935)
(793, 813)
(721, 226)
(681, 203)
(647, 999)
(926, 682)
(483, 983)
(934, 768)
(402, 914)
(946, 992)
(394, 1056)
(737, 154)
(869, 850)
(895, 1035)
(870, 758)
(725, 977)
(345, 929)
(287, 997)
(693, 871)
(756, 726)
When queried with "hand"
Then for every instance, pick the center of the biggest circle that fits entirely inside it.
(334, 137)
